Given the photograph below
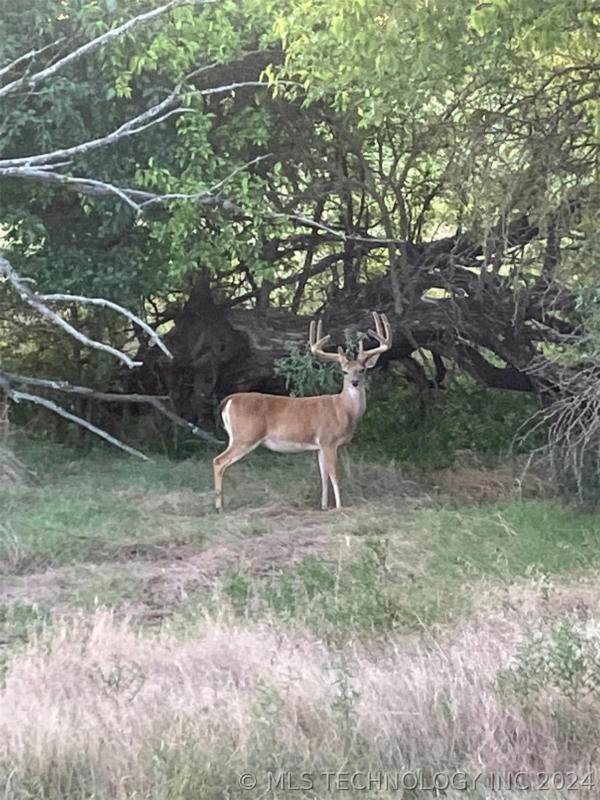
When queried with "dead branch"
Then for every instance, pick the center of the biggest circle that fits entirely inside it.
(137, 199)
(16, 397)
(32, 299)
(30, 81)
(151, 116)
(8, 379)
(572, 424)
(100, 301)
(86, 186)
(31, 54)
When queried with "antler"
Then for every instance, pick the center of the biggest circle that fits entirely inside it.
(382, 333)
(316, 340)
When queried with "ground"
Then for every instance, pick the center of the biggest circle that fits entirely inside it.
(444, 624)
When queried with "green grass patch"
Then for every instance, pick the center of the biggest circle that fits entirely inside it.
(95, 508)
(374, 568)
(425, 570)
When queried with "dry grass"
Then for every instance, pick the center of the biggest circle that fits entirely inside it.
(469, 481)
(12, 471)
(92, 708)
(160, 698)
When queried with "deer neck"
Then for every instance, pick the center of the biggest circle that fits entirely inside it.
(354, 399)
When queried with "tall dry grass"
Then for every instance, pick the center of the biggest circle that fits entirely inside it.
(93, 709)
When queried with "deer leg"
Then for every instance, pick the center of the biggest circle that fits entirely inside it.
(324, 479)
(233, 453)
(330, 459)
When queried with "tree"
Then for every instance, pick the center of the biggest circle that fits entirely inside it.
(54, 138)
(437, 169)
(435, 163)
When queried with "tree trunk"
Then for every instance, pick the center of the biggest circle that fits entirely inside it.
(219, 350)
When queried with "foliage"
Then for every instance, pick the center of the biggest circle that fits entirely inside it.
(557, 667)
(304, 375)
(429, 431)
(390, 126)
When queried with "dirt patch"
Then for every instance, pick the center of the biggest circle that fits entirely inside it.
(245, 545)
(180, 502)
(481, 485)
(258, 556)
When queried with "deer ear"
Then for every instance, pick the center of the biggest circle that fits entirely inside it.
(369, 363)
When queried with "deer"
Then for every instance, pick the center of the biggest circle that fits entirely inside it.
(294, 424)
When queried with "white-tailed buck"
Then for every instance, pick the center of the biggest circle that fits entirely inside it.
(293, 424)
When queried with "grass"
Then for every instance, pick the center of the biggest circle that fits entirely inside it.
(152, 649)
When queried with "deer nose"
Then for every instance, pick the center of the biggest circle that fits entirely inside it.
(355, 381)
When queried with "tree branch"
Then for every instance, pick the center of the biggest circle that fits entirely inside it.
(16, 397)
(26, 57)
(100, 301)
(7, 379)
(137, 199)
(32, 299)
(30, 81)
(152, 116)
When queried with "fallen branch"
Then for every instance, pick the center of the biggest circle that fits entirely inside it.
(32, 299)
(8, 379)
(30, 81)
(42, 401)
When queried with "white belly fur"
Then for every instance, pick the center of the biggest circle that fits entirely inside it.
(282, 446)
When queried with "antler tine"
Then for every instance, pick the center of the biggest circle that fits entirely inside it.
(382, 334)
(317, 340)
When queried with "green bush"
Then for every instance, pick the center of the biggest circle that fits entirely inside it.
(428, 432)
(304, 376)
(557, 663)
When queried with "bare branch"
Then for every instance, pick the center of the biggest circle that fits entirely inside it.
(32, 299)
(29, 81)
(232, 86)
(137, 199)
(208, 437)
(7, 379)
(27, 56)
(100, 301)
(42, 401)
(339, 235)
(152, 116)
(87, 186)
